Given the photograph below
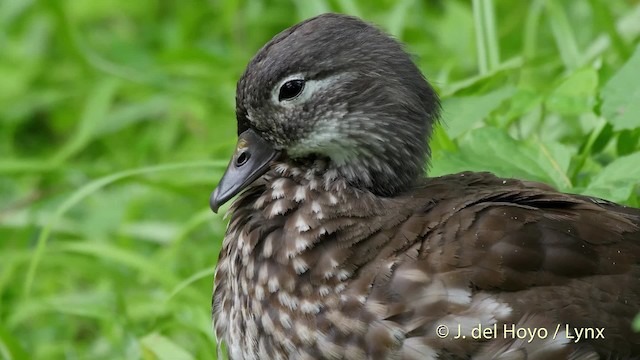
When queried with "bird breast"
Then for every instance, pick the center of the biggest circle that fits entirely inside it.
(281, 277)
(312, 268)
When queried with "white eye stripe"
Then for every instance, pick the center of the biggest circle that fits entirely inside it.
(310, 88)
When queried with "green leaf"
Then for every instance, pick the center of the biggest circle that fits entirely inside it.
(158, 347)
(464, 113)
(123, 257)
(563, 34)
(95, 110)
(82, 193)
(576, 94)
(93, 305)
(493, 150)
(620, 104)
(397, 17)
(10, 348)
(307, 9)
(440, 140)
(522, 103)
(617, 180)
(628, 141)
(602, 139)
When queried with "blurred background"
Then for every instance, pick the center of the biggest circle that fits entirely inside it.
(117, 120)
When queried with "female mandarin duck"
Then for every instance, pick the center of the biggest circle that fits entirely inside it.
(338, 247)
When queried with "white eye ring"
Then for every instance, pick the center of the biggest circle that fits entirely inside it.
(276, 92)
(310, 88)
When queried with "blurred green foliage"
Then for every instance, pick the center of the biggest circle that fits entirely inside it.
(117, 119)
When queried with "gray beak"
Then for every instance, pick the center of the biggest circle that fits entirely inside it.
(251, 160)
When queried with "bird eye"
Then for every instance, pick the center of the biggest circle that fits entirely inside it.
(290, 89)
(242, 158)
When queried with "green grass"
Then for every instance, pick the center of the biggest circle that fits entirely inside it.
(117, 119)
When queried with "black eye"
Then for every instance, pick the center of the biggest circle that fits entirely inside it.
(242, 158)
(290, 89)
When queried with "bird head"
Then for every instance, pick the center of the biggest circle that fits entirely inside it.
(336, 88)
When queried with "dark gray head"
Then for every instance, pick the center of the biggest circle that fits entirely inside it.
(338, 88)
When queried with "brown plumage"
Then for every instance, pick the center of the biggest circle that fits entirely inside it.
(325, 257)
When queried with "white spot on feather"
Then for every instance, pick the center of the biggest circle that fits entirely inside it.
(414, 275)
(343, 275)
(281, 168)
(309, 307)
(328, 274)
(259, 204)
(439, 290)
(273, 284)
(323, 290)
(299, 265)
(259, 292)
(250, 271)
(263, 274)
(244, 286)
(288, 300)
(300, 194)
(277, 209)
(304, 333)
(285, 320)
(267, 323)
(241, 240)
(267, 248)
(301, 224)
(328, 348)
(376, 308)
(302, 244)
(277, 187)
(484, 310)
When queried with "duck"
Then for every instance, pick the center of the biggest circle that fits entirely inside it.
(339, 246)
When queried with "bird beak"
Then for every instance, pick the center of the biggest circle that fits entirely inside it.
(251, 160)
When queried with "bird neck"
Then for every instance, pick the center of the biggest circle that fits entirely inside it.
(378, 175)
(286, 217)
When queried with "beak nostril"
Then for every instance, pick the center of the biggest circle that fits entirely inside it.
(253, 158)
(242, 158)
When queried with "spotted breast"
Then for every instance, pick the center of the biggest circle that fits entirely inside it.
(339, 248)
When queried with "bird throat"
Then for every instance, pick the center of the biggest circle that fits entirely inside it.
(280, 254)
